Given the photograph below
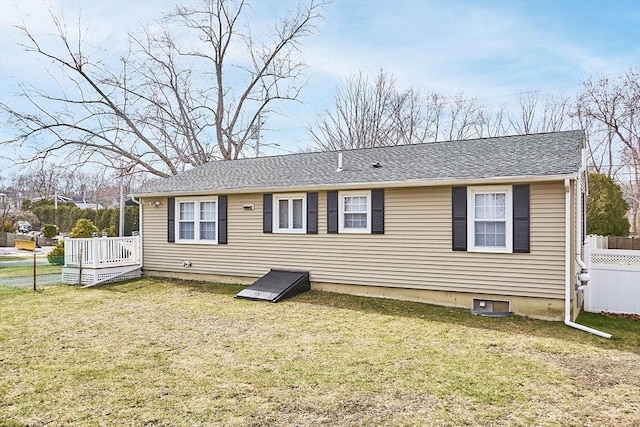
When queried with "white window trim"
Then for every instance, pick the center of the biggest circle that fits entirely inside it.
(471, 223)
(354, 193)
(196, 231)
(276, 213)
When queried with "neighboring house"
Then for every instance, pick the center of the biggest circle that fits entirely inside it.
(83, 203)
(490, 224)
(80, 202)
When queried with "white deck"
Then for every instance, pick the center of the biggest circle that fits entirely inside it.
(101, 260)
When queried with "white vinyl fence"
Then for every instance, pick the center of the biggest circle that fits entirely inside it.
(615, 278)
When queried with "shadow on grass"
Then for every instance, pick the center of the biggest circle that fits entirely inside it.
(626, 332)
(131, 285)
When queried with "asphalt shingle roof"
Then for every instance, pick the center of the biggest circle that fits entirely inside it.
(537, 155)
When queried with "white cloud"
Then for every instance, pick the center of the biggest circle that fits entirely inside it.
(485, 49)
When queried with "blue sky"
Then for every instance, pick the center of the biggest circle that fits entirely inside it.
(490, 50)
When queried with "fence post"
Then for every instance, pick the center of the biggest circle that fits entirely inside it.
(587, 251)
(66, 249)
(94, 251)
(34, 270)
(80, 269)
(136, 252)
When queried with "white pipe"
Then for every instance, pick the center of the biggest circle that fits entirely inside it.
(580, 217)
(567, 267)
(339, 162)
(581, 263)
(579, 240)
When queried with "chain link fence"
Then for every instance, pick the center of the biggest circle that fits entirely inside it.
(28, 268)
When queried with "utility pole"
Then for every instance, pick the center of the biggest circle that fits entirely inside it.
(124, 169)
(55, 207)
(255, 133)
(121, 222)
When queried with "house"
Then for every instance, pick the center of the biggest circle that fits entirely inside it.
(83, 203)
(492, 224)
(79, 201)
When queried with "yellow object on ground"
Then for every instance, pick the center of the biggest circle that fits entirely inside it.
(28, 245)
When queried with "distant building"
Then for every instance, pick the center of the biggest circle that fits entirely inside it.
(80, 202)
(83, 203)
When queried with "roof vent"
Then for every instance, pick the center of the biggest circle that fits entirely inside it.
(376, 165)
(339, 163)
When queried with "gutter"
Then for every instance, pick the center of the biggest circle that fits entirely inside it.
(365, 185)
(567, 270)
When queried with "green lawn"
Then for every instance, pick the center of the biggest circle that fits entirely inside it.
(159, 353)
(27, 270)
(13, 258)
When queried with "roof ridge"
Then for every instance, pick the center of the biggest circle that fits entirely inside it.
(452, 141)
(541, 154)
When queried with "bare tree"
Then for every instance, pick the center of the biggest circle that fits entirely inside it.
(491, 123)
(38, 180)
(614, 107)
(557, 113)
(375, 112)
(435, 111)
(594, 140)
(523, 120)
(410, 123)
(463, 118)
(536, 114)
(364, 114)
(175, 100)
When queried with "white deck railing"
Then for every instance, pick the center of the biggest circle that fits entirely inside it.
(100, 252)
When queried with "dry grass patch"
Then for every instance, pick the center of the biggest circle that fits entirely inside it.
(153, 352)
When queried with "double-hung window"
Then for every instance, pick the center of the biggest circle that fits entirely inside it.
(197, 220)
(354, 212)
(290, 213)
(490, 214)
(186, 220)
(208, 220)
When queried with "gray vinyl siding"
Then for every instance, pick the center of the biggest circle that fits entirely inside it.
(414, 252)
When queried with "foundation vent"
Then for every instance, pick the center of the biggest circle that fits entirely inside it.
(495, 308)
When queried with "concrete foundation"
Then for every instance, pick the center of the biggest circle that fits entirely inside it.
(538, 308)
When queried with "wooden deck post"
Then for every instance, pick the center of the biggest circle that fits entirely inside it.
(94, 251)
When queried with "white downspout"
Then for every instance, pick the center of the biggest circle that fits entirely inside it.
(567, 269)
(581, 220)
(579, 236)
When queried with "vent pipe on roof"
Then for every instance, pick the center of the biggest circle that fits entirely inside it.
(339, 163)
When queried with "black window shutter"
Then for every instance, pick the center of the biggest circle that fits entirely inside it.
(222, 220)
(332, 212)
(521, 219)
(312, 213)
(377, 211)
(267, 213)
(171, 219)
(459, 218)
